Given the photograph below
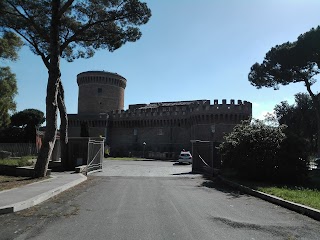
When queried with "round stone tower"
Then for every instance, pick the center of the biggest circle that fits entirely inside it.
(100, 92)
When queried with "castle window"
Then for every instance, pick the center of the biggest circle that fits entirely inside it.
(160, 132)
(135, 132)
(99, 91)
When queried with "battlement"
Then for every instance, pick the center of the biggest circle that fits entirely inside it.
(101, 77)
(184, 108)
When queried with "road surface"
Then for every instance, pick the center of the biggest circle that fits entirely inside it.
(153, 200)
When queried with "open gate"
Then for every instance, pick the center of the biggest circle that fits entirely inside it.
(95, 155)
(205, 157)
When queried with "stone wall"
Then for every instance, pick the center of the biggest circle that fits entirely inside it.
(164, 127)
(100, 92)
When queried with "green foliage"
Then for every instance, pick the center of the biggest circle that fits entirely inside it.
(12, 135)
(292, 163)
(23, 126)
(85, 26)
(8, 90)
(28, 118)
(18, 162)
(284, 64)
(252, 148)
(261, 152)
(299, 118)
(294, 62)
(305, 196)
(10, 44)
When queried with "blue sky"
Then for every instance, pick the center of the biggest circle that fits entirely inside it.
(189, 50)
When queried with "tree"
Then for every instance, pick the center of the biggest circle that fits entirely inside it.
(8, 90)
(23, 126)
(69, 29)
(294, 62)
(299, 118)
(28, 120)
(9, 46)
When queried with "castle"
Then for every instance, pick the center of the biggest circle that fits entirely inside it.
(159, 129)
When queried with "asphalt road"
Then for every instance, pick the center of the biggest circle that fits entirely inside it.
(155, 200)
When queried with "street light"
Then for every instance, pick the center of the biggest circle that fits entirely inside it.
(106, 125)
(144, 146)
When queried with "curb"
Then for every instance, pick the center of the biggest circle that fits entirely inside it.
(15, 207)
(299, 208)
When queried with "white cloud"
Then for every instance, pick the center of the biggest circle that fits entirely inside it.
(255, 104)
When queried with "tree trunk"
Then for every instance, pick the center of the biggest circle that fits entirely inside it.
(52, 92)
(316, 105)
(63, 128)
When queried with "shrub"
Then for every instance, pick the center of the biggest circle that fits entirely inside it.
(292, 160)
(257, 151)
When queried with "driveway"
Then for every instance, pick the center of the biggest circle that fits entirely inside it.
(143, 200)
(149, 168)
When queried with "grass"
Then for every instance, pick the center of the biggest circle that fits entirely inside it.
(18, 162)
(307, 194)
(8, 182)
(301, 195)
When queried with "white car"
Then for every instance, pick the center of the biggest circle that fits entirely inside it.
(185, 157)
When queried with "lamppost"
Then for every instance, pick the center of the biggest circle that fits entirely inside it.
(106, 125)
(144, 146)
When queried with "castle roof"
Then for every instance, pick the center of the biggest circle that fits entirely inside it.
(100, 73)
(172, 104)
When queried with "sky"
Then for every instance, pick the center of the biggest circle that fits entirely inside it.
(189, 50)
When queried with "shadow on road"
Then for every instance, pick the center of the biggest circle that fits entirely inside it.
(180, 164)
(218, 185)
(184, 173)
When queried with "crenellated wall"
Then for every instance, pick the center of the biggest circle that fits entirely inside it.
(164, 127)
(192, 112)
(100, 91)
(164, 115)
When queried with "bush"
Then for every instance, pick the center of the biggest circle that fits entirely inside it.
(257, 151)
(292, 160)
(17, 162)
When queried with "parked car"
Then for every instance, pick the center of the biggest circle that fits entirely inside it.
(185, 157)
(317, 163)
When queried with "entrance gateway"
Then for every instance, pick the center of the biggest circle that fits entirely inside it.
(95, 155)
(205, 156)
(85, 153)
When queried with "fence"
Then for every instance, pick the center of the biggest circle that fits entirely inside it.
(95, 155)
(19, 149)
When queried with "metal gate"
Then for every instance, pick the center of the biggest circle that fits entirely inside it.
(205, 157)
(95, 155)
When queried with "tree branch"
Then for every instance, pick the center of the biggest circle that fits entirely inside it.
(28, 19)
(35, 45)
(86, 27)
(65, 7)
